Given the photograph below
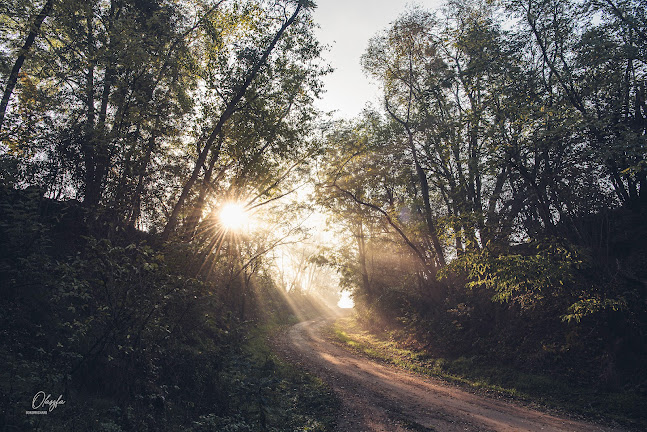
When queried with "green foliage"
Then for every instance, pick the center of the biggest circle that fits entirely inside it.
(526, 278)
(129, 337)
(116, 104)
(511, 150)
(478, 373)
(590, 306)
(269, 394)
(515, 150)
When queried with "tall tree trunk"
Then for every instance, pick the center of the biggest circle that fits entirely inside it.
(92, 190)
(135, 211)
(229, 110)
(540, 194)
(15, 71)
(424, 185)
(424, 189)
(490, 227)
(361, 255)
(98, 136)
(110, 68)
(194, 218)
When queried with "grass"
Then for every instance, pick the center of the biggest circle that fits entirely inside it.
(628, 409)
(286, 397)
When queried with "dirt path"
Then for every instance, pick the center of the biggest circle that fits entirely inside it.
(378, 397)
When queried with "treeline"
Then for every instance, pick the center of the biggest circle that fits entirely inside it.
(149, 108)
(497, 197)
(124, 126)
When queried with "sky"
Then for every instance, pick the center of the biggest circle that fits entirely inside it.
(347, 25)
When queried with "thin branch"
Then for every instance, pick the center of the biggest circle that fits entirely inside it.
(389, 220)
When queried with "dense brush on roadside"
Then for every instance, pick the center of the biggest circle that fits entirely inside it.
(113, 321)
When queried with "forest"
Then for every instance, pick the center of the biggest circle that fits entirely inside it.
(171, 200)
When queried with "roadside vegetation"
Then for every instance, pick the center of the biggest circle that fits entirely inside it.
(133, 340)
(168, 189)
(545, 391)
(127, 129)
(495, 201)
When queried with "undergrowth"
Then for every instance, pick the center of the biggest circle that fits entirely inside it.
(627, 408)
(271, 395)
(117, 324)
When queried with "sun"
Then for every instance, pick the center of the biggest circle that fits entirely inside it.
(234, 217)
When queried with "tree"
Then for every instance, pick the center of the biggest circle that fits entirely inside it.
(256, 61)
(34, 30)
(605, 90)
(399, 60)
(125, 102)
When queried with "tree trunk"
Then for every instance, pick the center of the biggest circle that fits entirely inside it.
(424, 189)
(361, 254)
(135, 211)
(15, 71)
(194, 218)
(226, 114)
(92, 189)
(424, 185)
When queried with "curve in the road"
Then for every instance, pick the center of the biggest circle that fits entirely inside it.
(378, 397)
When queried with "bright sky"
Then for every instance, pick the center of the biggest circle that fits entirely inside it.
(347, 25)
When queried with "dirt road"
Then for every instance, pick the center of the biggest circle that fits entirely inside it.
(378, 397)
